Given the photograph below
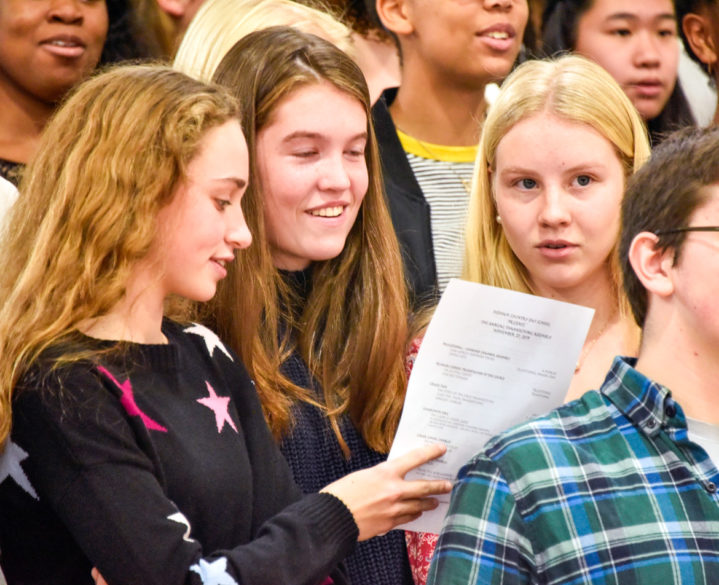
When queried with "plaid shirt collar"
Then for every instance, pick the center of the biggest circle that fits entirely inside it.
(646, 403)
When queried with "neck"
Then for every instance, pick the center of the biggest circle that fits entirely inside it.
(595, 292)
(609, 334)
(672, 356)
(22, 120)
(136, 318)
(435, 111)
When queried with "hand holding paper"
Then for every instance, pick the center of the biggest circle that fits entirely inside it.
(491, 358)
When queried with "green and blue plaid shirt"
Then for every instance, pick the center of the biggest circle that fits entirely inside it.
(607, 489)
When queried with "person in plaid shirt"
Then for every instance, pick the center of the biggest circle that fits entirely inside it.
(618, 487)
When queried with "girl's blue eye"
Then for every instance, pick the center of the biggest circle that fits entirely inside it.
(527, 183)
(583, 180)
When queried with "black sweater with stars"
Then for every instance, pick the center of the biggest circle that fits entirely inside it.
(155, 465)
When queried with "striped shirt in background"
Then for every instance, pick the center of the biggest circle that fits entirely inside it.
(444, 174)
(607, 489)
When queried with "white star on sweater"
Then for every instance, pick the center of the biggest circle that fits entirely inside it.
(214, 573)
(10, 467)
(210, 337)
(180, 518)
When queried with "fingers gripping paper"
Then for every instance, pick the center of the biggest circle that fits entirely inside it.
(490, 358)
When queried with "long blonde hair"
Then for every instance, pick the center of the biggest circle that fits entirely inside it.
(353, 329)
(219, 24)
(573, 89)
(107, 163)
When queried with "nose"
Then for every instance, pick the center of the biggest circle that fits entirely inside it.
(237, 233)
(333, 175)
(646, 50)
(65, 11)
(499, 4)
(554, 211)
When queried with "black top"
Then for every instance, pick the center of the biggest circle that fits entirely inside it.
(409, 209)
(157, 467)
(316, 460)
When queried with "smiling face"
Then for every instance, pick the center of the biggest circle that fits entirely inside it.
(311, 161)
(559, 204)
(467, 41)
(637, 43)
(203, 224)
(47, 46)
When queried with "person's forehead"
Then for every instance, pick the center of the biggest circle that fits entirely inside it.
(708, 209)
(662, 9)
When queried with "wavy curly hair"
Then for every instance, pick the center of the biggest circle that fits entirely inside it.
(108, 162)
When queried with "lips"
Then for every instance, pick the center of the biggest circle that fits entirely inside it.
(221, 264)
(66, 46)
(327, 211)
(647, 87)
(499, 36)
(556, 249)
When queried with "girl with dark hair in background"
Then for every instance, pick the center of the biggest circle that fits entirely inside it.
(636, 42)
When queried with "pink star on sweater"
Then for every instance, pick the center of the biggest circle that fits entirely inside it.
(218, 404)
(128, 402)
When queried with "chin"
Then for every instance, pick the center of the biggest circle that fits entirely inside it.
(199, 296)
(648, 112)
(327, 253)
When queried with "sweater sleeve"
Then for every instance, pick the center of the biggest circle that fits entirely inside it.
(86, 463)
(483, 539)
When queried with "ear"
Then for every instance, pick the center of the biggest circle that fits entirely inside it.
(697, 28)
(174, 8)
(394, 15)
(652, 266)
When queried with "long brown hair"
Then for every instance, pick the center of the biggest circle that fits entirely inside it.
(353, 328)
(107, 163)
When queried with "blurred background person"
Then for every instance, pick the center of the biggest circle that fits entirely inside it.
(375, 50)
(636, 42)
(428, 128)
(699, 20)
(219, 24)
(46, 48)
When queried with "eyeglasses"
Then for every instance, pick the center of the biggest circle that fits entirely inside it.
(695, 228)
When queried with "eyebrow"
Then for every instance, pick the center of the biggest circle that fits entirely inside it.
(588, 167)
(239, 183)
(316, 135)
(632, 16)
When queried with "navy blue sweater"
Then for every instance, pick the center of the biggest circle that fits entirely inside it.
(316, 459)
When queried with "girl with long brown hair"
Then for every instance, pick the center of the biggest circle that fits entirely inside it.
(318, 308)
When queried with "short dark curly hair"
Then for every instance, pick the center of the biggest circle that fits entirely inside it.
(663, 195)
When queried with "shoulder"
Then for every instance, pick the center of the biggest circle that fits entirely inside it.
(201, 341)
(196, 335)
(50, 380)
(536, 447)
